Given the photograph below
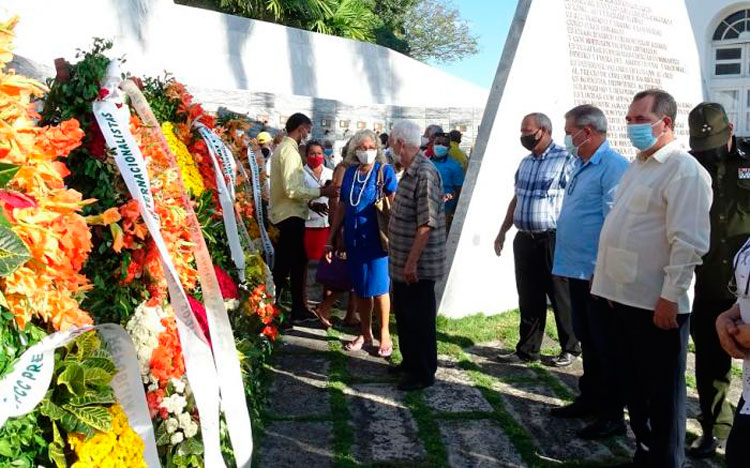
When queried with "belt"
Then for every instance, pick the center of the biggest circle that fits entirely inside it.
(538, 235)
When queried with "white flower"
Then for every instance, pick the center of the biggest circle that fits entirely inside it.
(191, 430)
(153, 387)
(174, 404)
(144, 328)
(176, 438)
(171, 425)
(184, 420)
(231, 304)
(178, 385)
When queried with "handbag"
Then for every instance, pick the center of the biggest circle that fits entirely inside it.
(382, 209)
(334, 275)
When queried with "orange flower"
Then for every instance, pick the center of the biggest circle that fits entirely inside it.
(110, 216)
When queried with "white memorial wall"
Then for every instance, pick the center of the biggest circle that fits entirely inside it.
(559, 53)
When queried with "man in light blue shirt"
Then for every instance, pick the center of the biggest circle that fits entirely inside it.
(589, 195)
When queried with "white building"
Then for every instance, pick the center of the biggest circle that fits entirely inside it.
(722, 34)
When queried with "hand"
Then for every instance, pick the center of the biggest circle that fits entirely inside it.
(447, 197)
(328, 253)
(410, 272)
(499, 241)
(743, 335)
(330, 191)
(320, 208)
(665, 314)
(726, 328)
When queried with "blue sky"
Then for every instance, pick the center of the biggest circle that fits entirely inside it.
(490, 20)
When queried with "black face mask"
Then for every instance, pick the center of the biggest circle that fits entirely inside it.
(530, 141)
(715, 154)
(266, 152)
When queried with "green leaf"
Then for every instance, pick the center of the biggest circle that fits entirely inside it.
(100, 362)
(51, 410)
(7, 172)
(96, 376)
(191, 446)
(57, 449)
(87, 344)
(4, 219)
(13, 251)
(162, 437)
(73, 378)
(5, 448)
(103, 396)
(95, 416)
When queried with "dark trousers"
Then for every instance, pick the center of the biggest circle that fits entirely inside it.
(594, 323)
(533, 259)
(656, 392)
(416, 311)
(291, 261)
(713, 367)
(738, 449)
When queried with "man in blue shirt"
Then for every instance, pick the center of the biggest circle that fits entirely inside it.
(540, 186)
(450, 172)
(589, 196)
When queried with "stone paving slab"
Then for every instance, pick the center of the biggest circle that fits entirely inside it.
(363, 366)
(529, 403)
(299, 386)
(304, 340)
(385, 431)
(479, 443)
(454, 392)
(288, 444)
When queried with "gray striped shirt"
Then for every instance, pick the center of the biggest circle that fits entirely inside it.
(419, 202)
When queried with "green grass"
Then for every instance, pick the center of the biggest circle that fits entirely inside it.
(338, 379)
(427, 429)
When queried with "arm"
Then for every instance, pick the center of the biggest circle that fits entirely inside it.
(688, 226)
(733, 339)
(507, 224)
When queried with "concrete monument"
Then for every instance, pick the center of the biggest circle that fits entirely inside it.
(559, 53)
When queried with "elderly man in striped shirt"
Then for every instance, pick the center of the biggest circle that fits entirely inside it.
(417, 251)
(540, 187)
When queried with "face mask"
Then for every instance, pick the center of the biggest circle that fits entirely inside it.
(425, 141)
(530, 141)
(328, 151)
(570, 146)
(314, 161)
(714, 154)
(440, 151)
(367, 157)
(642, 135)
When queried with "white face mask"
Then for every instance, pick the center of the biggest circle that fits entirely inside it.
(367, 157)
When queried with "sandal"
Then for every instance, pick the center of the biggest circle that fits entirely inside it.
(385, 352)
(357, 344)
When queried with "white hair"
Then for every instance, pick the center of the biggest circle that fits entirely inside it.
(408, 132)
(357, 140)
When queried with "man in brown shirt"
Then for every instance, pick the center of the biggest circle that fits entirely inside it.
(417, 252)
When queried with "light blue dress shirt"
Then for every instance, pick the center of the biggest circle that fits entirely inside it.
(589, 195)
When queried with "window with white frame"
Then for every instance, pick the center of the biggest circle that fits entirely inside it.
(730, 68)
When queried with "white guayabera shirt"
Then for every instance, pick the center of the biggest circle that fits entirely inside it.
(657, 231)
(742, 279)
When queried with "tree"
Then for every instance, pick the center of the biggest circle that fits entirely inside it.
(435, 31)
(391, 33)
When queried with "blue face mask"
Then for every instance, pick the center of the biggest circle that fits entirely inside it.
(642, 135)
(328, 151)
(440, 151)
(570, 146)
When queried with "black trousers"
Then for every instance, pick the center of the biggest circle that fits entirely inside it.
(738, 449)
(656, 392)
(533, 260)
(601, 384)
(291, 261)
(415, 307)
(713, 366)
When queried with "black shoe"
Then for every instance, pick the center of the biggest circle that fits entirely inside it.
(515, 358)
(396, 370)
(705, 447)
(577, 409)
(304, 316)
(563, 360)
(602, 429)
(409, 384)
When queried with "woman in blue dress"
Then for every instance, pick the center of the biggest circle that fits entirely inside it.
(366, 259)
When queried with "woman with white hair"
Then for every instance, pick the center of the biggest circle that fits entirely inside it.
(367, 178)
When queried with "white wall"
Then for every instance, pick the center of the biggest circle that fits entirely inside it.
(216, 51)
(705, 15)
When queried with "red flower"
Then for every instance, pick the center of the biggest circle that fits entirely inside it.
(270, 331)
(228, 288)
(200, 316)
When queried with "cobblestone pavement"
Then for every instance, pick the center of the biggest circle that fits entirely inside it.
(332, 408)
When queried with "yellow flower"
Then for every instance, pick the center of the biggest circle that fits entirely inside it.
(188, 168)
(121, 446)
